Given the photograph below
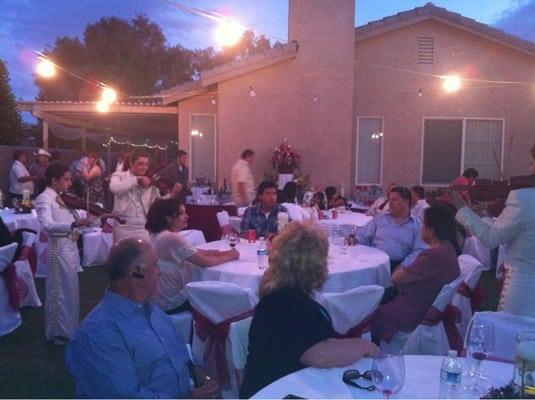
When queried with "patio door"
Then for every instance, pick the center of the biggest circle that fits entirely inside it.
(203, 146)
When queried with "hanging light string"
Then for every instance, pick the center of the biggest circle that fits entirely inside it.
(112, 140)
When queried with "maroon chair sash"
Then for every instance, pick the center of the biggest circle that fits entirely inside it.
(215, 336)
(28, 254)
(449, 317)
(16, 287)
(357, 330)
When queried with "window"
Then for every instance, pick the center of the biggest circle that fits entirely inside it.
(426, 50)
(202, 137)
(445, 141)
(369, 150)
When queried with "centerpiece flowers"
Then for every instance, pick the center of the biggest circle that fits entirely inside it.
(285, 158)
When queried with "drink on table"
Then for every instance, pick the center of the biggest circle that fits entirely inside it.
(525, 364)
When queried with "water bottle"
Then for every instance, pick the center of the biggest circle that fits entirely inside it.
(451, 369)
(262, 254)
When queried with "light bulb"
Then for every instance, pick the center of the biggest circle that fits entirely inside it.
(103, 106)
(229, 32)
(251, 92)
(46, 68)
(451, 83)
(213, 100)
(109, 95)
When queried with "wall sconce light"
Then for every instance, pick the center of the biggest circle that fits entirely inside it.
(251, 92)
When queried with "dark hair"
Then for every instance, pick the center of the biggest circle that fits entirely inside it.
(420, 191)
(265, 185)
(442, 220)
(321, 197)
(122, 256)
(158, 213)
(181, 153)
(290, 191)
(55, 171)
(330, 191)
(471, 173)
(138, 154)
(247, 153)
(403, 192)
(17, 154)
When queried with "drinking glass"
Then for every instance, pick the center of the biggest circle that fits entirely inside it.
(232, 239)
(525, 364)
(388, 373)
(480, 344)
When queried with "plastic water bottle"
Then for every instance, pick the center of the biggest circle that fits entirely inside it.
(451, 369)
(262, 254)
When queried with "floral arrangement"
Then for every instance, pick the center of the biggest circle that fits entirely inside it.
(285, 158)
(505, 392)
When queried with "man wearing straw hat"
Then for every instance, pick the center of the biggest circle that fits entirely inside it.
(38, 169)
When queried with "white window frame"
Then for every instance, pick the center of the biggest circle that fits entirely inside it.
(190, 150)
(380, 183)
(463, 138)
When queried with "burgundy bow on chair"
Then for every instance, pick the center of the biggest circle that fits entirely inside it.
(107, 227)
(16, 287)
(450, 317)
(215, 334)
(28, 254)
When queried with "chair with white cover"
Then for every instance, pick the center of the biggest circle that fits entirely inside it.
(215, 305)
(506, 327)
(471, 269)
(438, 333)
(223, 218)
(475, 248)
(24, 272)
(237, 349)
(351, 311)
(10, 318)
(297, 213)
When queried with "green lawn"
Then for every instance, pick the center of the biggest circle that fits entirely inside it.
(31, 368)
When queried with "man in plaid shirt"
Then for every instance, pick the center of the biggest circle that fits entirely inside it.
(262, 217)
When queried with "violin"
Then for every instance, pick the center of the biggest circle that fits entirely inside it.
(488, 190)
(163, 185)
(74, 202)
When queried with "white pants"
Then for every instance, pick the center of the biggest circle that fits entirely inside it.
(517, 293)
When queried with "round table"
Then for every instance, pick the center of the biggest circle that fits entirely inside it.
(361, 265)
(15, 221)
(421, 381)
(345, 220)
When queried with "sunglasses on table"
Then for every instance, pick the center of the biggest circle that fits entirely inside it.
(351, 375)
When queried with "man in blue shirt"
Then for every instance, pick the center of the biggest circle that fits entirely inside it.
(126, 346)
(262, 217)
(397, 233)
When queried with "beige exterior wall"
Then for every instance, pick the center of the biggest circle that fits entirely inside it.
(393, 94)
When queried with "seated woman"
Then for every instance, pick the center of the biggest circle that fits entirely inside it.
(318, 201)
(290, 331)
(290, 193)
(419, 283)
(334, 199)
(165, 219)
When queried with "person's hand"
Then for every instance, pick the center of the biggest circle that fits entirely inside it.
(81, 222)
(143, 181)
(235, 254)
(177, 188)
(371, 348)
(457, 200)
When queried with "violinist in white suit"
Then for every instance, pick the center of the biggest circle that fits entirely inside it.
(133, 195)
(60, 223)
(514, 227)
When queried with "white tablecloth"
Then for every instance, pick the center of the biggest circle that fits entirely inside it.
(17, 221)
(362, 265)
(421, 381)
(345, 219)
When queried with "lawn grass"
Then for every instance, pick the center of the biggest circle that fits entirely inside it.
(32, 368)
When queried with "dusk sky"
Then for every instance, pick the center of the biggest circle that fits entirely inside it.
(34, 24)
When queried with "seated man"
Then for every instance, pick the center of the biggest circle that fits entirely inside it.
(262, 217)
(126, 346)
(397, 232)
(418, 203)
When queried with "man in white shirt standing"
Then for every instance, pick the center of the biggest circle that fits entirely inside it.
(19, 177)
(242, 180)
(418, 203)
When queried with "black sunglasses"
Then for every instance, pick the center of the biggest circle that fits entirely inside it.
(352, 375)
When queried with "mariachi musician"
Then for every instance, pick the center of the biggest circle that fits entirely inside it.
(134, 192)
(515, 227)
(61, 223)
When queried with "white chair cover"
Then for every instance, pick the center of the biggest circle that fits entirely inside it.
(237, 351)
(471, 270)
(474, 247)
(194, 237)
(24, 272)
(297, 213)
(432, 340)
(349, 308)
(183, 324)
(506, 329)
(9, 318)
(223, 219)
(93, 251)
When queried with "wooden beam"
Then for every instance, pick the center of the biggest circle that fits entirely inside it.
(90, 108)
(45, 134)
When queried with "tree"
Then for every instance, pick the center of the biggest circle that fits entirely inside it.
(10, 122)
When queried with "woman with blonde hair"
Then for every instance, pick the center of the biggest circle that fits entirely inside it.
(290, 331)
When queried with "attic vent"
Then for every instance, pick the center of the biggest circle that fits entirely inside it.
(426, 50)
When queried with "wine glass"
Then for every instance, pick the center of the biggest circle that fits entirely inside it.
(479, 343)
(388, 373)
(232, 239)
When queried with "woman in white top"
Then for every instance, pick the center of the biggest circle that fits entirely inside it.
(165, 219)
(60, 223)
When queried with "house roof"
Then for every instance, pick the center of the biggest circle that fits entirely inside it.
(430, 11)
(227, 71)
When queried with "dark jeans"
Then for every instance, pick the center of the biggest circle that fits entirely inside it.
(394, 264)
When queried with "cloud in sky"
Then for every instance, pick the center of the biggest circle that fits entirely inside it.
(519, 21)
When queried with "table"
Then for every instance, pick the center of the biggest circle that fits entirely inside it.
(203, 218)
(346, 220)
(15, 221)
(362, 265)
(421, 381)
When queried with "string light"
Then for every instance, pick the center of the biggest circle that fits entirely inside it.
(113, 140)
(378, 135)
